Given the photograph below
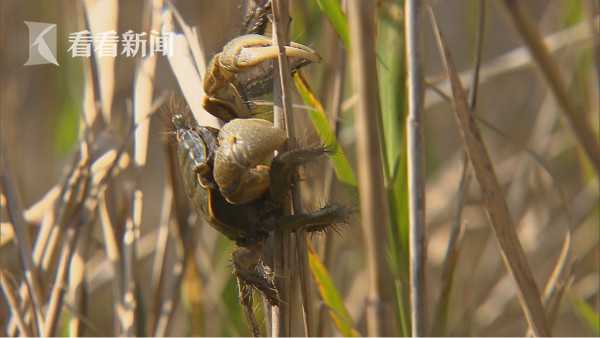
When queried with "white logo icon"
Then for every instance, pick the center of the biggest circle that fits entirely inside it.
(42, 43)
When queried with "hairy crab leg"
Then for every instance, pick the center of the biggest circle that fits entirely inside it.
(284, 166)
(316, 221)
(245, 295)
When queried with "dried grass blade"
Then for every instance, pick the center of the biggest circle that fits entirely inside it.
(496, 207)
(188, 65)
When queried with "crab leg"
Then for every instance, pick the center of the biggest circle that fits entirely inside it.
(245, 295)
(285, 165)
(315, 221)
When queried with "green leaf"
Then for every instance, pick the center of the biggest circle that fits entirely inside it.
(333, 11)
(392, 78)
(341, 165)
(331, 297)
(587, 315)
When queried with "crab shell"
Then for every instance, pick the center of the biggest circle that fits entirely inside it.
(243, 158)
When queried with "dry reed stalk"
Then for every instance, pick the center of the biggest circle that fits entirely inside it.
(13, 302)
(129, 300)
(334, 106)
(111, 247)
(594, 22)
(76, 213)
(182, 240)
(102, 17)
(22, 241)
(552, 74)
(75, 292)
(373, 196)
(188, 65)
(415, 166)
(496, 207)
(58, 289)
(46, 242)
(160, 257)
(37, 212)
(283, 262)
(298, 251)
(172, 293)
(142, 108)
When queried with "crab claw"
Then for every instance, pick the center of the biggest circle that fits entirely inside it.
(241, 73)
(252, 49)
(243, 158)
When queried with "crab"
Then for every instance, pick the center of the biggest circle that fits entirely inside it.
(239, 76)
(233, 179)
(243, 72)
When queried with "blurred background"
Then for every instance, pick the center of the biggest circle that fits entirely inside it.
(549, 184)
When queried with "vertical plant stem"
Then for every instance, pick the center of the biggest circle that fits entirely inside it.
(594, 19)
(15, 213)
(283, 119)
(76, 282)
(58, 289)
(551, 72)
(13, 302)
(334, 108)
(111, 247)
(415, 166)
(373, 196)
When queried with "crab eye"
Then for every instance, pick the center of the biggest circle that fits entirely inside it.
(178, 121)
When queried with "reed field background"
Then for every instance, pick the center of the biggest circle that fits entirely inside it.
(464, 139)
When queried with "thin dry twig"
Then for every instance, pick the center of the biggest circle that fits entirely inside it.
(15, 214)
(373, 197)
(496, 207)
(13, 302)
(58, 289)
(552, 74)
(452, 252)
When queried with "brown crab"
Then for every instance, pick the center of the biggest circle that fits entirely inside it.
(233, 179)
